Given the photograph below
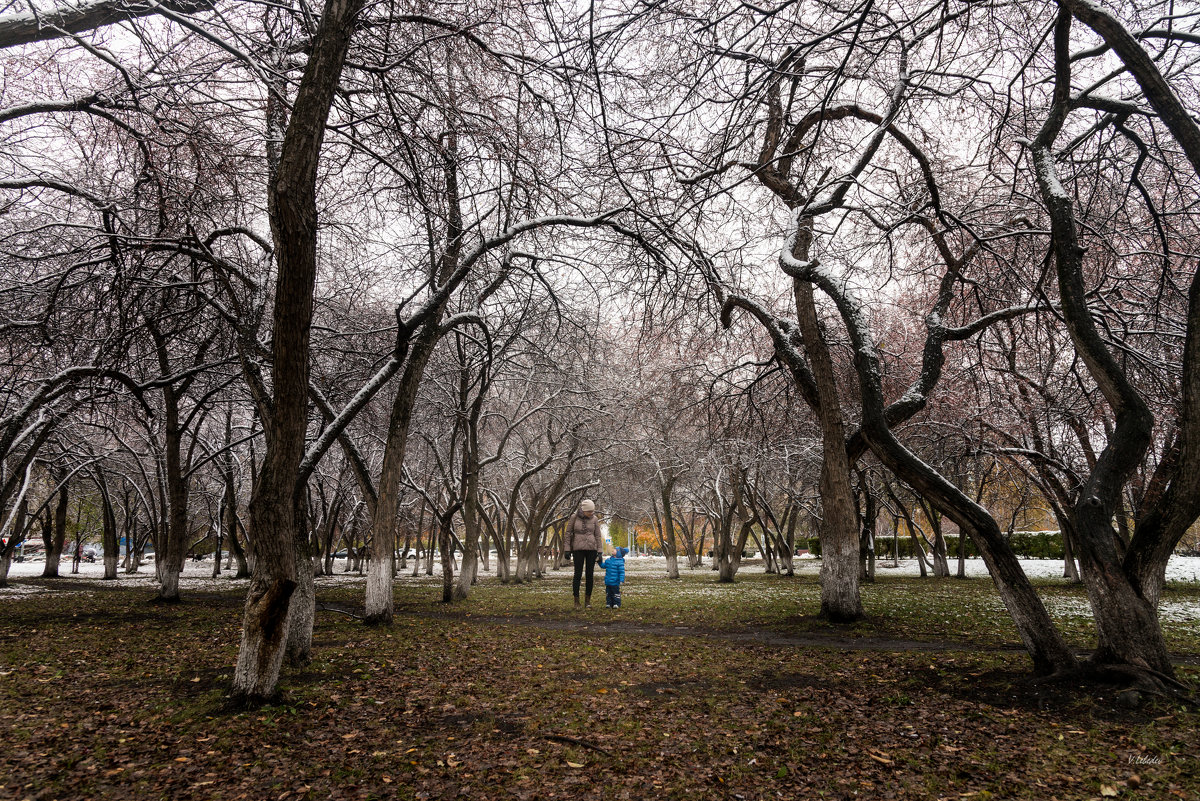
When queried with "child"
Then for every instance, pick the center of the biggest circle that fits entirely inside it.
(614, 577)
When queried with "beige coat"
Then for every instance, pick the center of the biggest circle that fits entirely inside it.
(583, 534)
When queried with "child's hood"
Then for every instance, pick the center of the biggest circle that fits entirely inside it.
(620, 553)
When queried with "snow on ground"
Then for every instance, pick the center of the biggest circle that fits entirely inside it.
(697, 583)
(196, 576)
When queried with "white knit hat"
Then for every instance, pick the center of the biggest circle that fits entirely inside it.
(587, 505)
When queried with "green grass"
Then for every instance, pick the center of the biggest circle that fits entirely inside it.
(897, 607)
(103, 696)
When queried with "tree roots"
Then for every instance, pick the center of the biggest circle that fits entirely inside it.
(1134, 681)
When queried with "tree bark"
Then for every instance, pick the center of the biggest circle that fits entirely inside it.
(470, 483)
(55, 537)
(840, 599)
(1161, 526)
(665, 488)
(72, 17)
(1126, 620)
(16, 535)
(303, 608)
(379, 601)
(109, 543)
(1041, 638)
(293, 215)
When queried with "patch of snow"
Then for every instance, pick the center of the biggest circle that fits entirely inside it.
(697, 582)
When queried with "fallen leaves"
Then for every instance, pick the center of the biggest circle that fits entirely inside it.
(691, 716)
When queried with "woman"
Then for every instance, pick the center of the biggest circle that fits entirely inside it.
(583, 541)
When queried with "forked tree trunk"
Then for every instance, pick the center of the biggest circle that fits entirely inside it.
(293, 214)
(1126, 620)
(133, 554)
(1041, 638)
(235, 544)
(503, 560)
(731, 558)
(470, 512)
(787, 547)
(919, 552)
(379, 600)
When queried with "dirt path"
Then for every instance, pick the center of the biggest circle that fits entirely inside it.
(750, 636)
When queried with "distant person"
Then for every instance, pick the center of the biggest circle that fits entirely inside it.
(614, 577)
(582, 540)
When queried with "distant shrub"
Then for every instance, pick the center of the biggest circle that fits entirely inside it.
(1026, 545)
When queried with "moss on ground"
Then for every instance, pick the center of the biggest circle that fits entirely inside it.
(103, 696)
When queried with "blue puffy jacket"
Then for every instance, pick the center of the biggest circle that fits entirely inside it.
(614, 568)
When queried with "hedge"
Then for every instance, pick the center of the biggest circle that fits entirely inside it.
(1026, 544)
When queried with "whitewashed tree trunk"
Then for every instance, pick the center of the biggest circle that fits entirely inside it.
(302, 612)
(503, 564)
(261, 652)
(726, 568)
(467, 575)
(379, 588)
(168, 584)
(291, 202)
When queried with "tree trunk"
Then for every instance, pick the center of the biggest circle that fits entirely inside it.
(672, 566)
(55, 538)
(470, 507)
(787, 547)
(235, 544)
(731, 560)
(133, 553)
(840, 600)
(919, 552)
(668, 527)
(303, 608)
(447, 565)
(110, 546)
(1126, 620)
(962, 557)
(866, 544)
(293, 215)
(503, 565)
(1042, 640)
(1070, 568)
(379, 596)
(170, 559)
